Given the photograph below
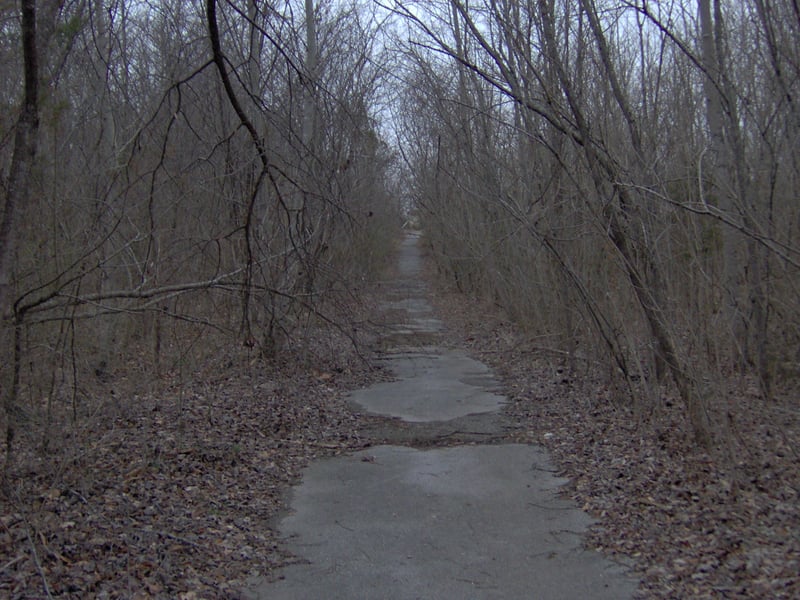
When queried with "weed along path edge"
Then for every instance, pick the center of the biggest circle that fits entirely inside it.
(480, 519)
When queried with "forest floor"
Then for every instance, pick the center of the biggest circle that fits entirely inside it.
(174, 493)
(171, 493)
(694, 524)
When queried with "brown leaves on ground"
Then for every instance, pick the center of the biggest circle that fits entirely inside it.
(692, 525)
(170, 495)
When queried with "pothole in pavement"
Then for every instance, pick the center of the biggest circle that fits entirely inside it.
(405, 340)
(440, 397)
(483, 428)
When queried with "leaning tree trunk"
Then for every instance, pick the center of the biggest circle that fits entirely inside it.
(618, 210)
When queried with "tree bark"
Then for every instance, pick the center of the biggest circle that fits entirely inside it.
(18, 189)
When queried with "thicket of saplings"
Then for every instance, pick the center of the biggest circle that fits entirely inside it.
(622, 179)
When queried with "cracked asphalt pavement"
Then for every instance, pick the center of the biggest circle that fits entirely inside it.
(478, 520)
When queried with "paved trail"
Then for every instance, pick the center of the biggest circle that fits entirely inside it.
(469, 521)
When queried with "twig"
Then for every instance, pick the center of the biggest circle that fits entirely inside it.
(343, 526)
(177, 538)
(544, 507)
(52, 552)
(79, 496)
(38, 563)
(11, 563)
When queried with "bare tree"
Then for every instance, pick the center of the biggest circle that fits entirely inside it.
(17, 190)
(172, 140)
(652, 155)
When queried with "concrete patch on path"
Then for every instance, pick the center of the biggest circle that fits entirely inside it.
(455, 523)
(432, 387)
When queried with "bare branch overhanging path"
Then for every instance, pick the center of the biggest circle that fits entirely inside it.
(470, 521)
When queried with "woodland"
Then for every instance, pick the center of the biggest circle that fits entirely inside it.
(199, 200)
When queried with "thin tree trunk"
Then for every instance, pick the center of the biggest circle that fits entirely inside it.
(309, 222)
(722, 168)
(107, 160)
(603, 172)
(18, 189)
(219, 61)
